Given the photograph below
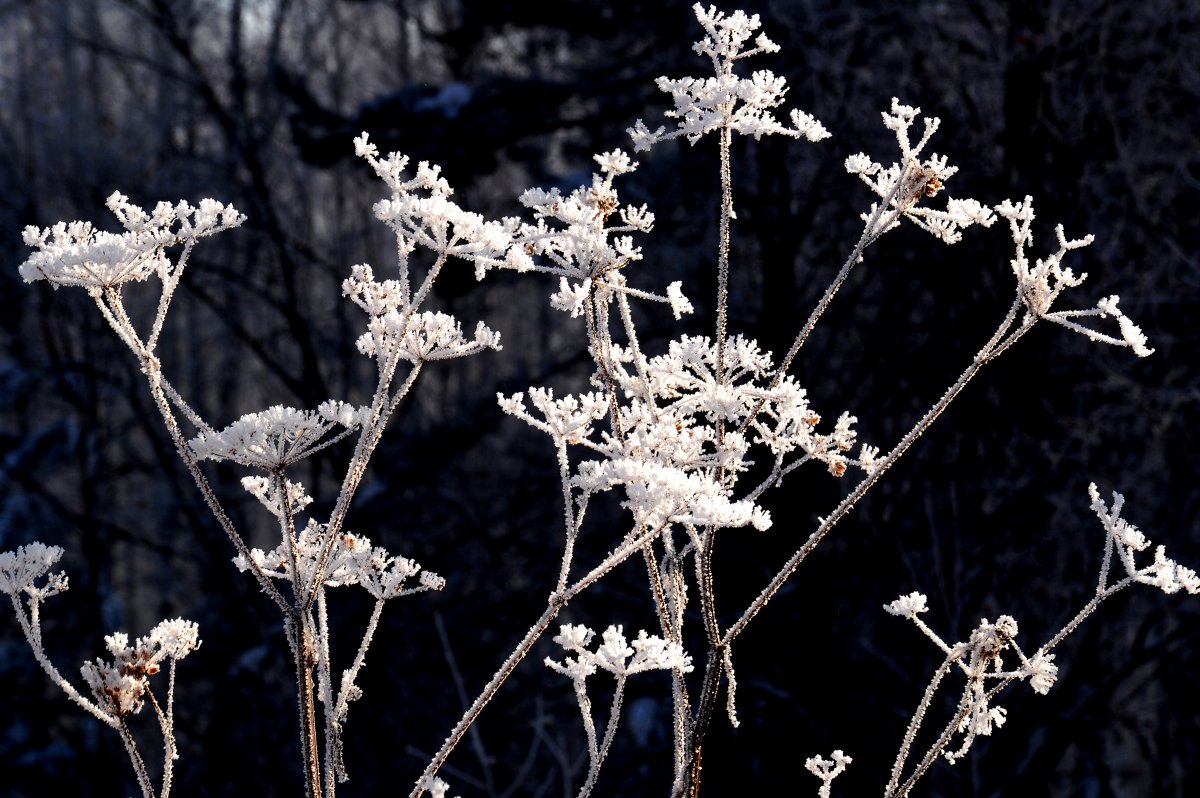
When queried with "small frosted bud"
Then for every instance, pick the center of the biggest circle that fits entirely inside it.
(908, 606)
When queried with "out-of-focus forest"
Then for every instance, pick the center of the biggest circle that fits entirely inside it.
(1090, 106)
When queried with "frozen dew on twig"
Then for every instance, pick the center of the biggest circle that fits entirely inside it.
(908, 606)
(1039, 284)
(437, 787)
(904, 184)
(980, 658)
(1163, 573)
(827, 769)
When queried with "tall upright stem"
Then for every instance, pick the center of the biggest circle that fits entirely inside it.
(300, 635)
(723, 254)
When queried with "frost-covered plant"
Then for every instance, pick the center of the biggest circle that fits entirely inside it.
(675, 435)
(120, 687)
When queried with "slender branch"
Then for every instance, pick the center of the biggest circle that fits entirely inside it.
(847, 504)
(31, 626)
(135, 757)
(166, 726)
(558, 601)
(610, 731)
(917, 719)
(871, 233)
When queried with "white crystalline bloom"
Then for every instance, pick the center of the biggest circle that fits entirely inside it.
(383, 575)
(363, 148)
(614, 650)
(1134, 336)
(616, 654)
(868, 458)
(908, 606)
(966, 212)
(352, 561)
(576, 669)
(860, 164)
(1042, 671)
(567, 419)
(808, 126)
(1168, 575)
(570, 298)
(425, 337)
(264, 490)
(1129, 535)
(983, 718)
(431, 581)
(437, 787)
(679, 303)
(76, 254)
(275, 437)
(615, 162)
(901, 117)
(654, 653)
(827, 769)
(573, 638)
(118, 693)
(21, 568)
(376, 298)
(176, 638)
(420, 212)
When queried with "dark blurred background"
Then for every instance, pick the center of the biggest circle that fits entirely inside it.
(1091, 106)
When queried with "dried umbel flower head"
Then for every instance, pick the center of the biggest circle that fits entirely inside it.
(276, 437)
(120, 685)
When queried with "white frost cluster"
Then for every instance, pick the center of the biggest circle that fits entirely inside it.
(615, 654)
(727, 101)
(395, 329)
(352, 561)
(271, 494)
(672, 461)
(437, 787)
(119, 685)
(908, 606)
(276, 437)
(421, 213)
(423, 337)
(1040, 284)
(903, 185)
(589, 246)
(77, 254)
(20, 570)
